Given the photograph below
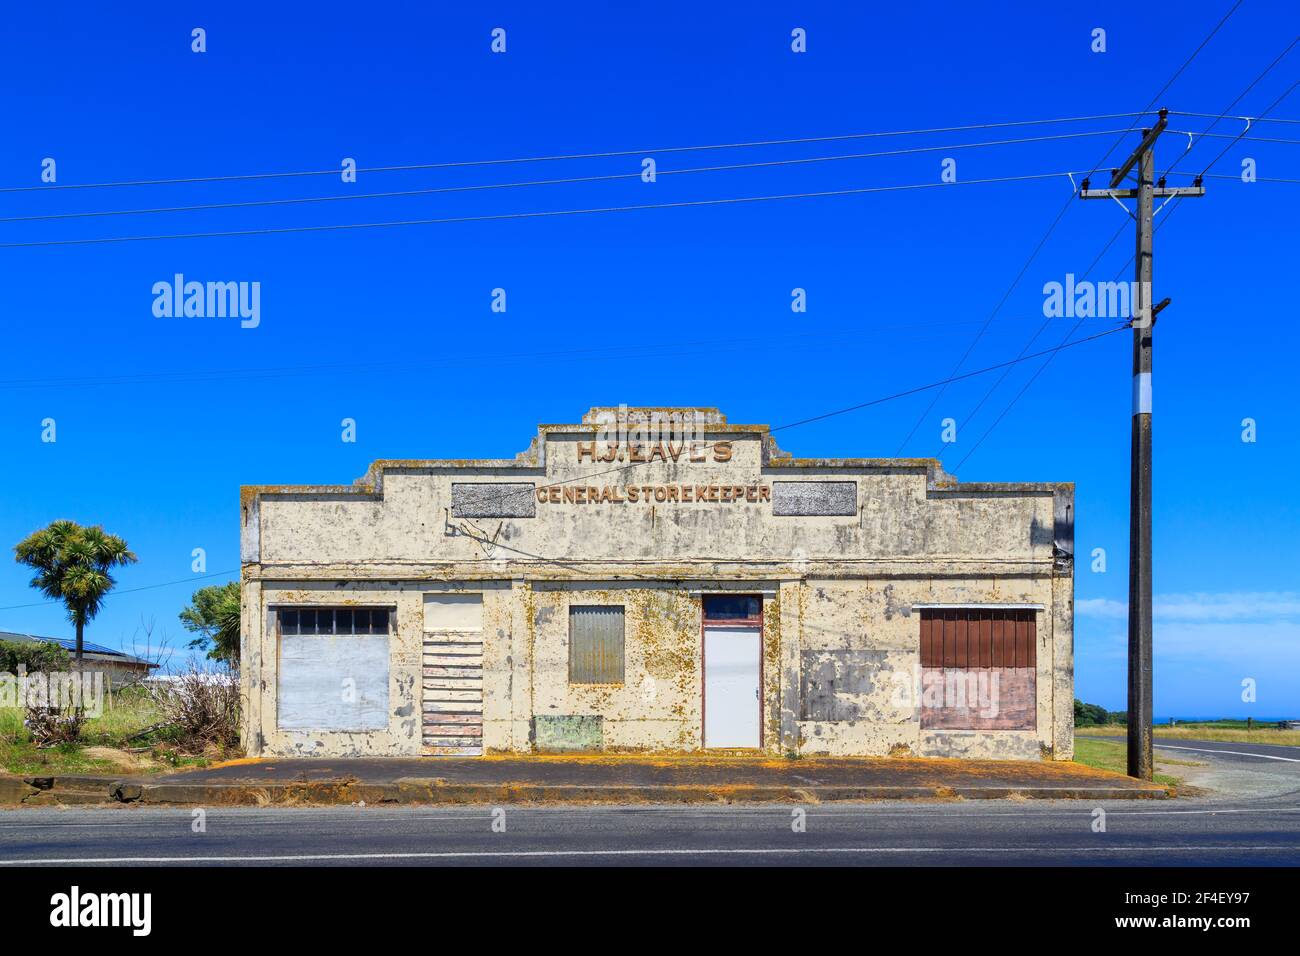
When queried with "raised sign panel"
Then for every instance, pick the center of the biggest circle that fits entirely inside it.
(814, 497)
(493, 500)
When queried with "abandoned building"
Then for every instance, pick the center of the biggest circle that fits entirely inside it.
(658, 580)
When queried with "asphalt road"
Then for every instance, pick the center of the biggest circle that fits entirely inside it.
(1247, 771)
(1257, 824)
(1232, 752)
(987, 832)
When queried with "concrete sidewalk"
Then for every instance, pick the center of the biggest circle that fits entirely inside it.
(584, 779)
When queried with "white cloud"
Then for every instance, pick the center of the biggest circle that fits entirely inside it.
(1101, 607)
(1205, 644)
(1272, 644)
(1261, 606)
(1230, 606)
(1256, 629)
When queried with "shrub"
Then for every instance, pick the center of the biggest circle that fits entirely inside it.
(198, 710)
(34, 656)
(50, 726)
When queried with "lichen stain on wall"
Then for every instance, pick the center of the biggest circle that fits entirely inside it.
(772, 673)
(657, 705)
(665, 626)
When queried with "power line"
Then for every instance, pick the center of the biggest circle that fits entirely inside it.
(1253, 119)
(1261, 179)
(147, 587)
(1042, 328)
(1034, 338)
(552, 182)
(996, 309)
(1052, 228)
(527, 215)
(572, 156)
(1051, 353)
(956, 378)
(1231, 136)
(622, 352)
(628, 467)
(1239, 97)
(1159, 225)
(1001, 302)
(1168, 83)
(619, 469)
(1192, 142)
(1154, 99)
(1285, 93)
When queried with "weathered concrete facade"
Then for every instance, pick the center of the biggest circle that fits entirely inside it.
(471, 580)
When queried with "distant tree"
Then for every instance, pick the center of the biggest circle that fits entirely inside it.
(1091, 715)
(213, 614)
(73, 564)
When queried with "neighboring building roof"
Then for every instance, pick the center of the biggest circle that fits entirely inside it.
(89, 649)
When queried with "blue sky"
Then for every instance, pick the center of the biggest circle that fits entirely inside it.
(160, 420)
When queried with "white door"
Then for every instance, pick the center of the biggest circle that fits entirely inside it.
(731, 687)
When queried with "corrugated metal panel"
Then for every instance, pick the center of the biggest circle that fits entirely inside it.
(596, 644)
(978, 637)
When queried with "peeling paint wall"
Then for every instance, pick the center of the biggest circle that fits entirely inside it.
(840, 635)
(402, 735)
(861, 640)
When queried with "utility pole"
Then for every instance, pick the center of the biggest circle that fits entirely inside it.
(1140, 761)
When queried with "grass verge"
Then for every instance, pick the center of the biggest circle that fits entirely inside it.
(1113, 755)
(106, 745)
(1235, 732)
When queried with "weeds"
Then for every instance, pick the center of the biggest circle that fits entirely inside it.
(52, 726)
(198, 710)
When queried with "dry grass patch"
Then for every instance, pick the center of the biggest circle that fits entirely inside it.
(1219, 733)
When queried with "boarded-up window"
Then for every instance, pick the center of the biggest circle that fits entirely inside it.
(333, 669)
(452, 674)
(596, 644)
(978, 668)
(453, 612)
